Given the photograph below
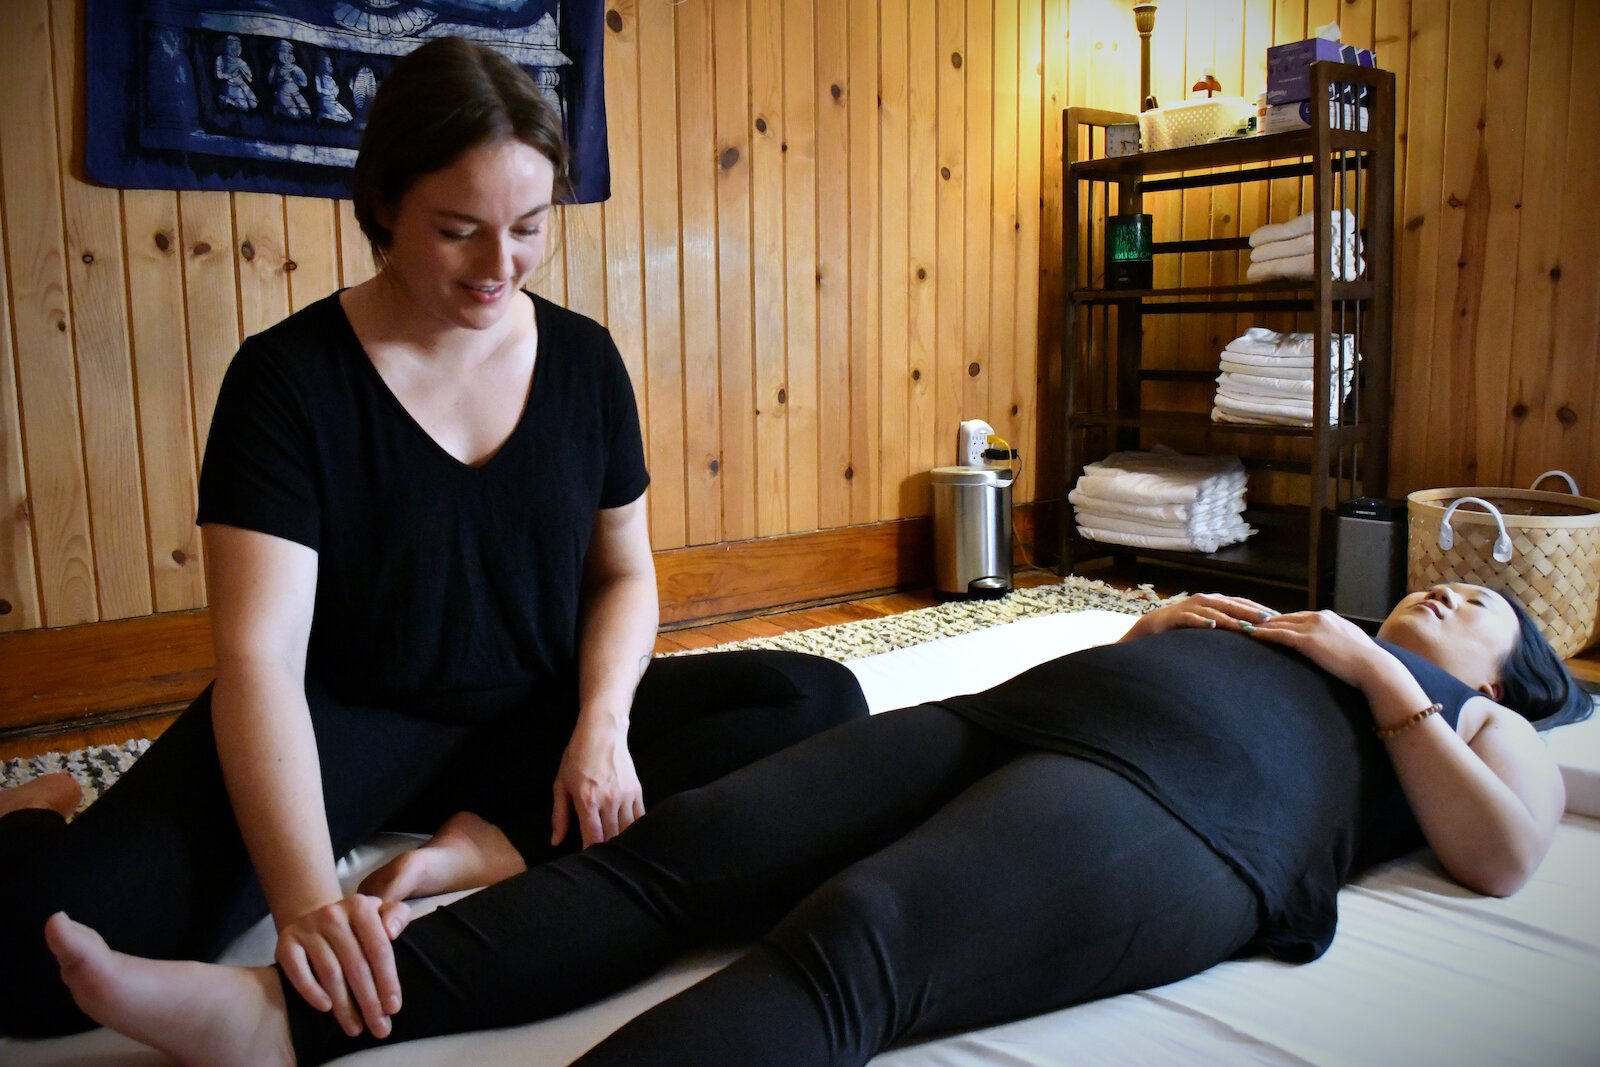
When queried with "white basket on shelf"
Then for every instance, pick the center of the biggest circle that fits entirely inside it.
(1194, 122)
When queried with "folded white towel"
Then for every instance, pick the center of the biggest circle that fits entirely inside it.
(1170, 543)
(1343, 221)
(1258, 385)
(1200, 511)
(1220, 414)
(1295, 267)
(1265, 348)
(1303, 245)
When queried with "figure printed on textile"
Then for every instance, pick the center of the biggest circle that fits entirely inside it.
(286, 83)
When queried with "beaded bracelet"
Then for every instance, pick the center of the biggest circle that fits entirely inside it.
(1392, 731)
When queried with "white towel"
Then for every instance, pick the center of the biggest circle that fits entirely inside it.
(1303, 245)
(1299, 226)
(1161, 499)
(1208, 510)
(1273, 270)
(1258, 385)
(1219, 414)
(1264, 346)
(1263, 405)
(1271, 369)
(1175, 544)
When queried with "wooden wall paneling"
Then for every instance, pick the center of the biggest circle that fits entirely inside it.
(1496, 215)
(735, 251)
(19, 589)
(766, 191)
(160, 349)
(865, 430)
(549, 277)
(799, 151)
(1418, 247)
(1253, 196)
(1032, 119)
(583, 250)
(1227, 201)
(1575, 276)
(30, 175)
(922, 205)
(261, 248)
(355, 254)
(210, 297)
(949, 270)
(1045, 471)
(623, 228)
(697, 185)
(1459, 265)
(896, 490)
(835, 96)
(1003, 406)
(311, 248)
(1286, 196)
(1195, 350)
(978, 70)
(98, 296)
(663, 310)
(1164, 334)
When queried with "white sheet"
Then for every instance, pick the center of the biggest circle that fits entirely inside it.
(1422, 971)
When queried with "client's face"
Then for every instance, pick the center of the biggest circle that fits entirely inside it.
(1466, 629)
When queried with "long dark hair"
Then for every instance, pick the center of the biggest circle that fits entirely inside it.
(447, 97)
(1535, 683)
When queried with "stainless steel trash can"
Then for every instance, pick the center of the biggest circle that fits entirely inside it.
(972, 530)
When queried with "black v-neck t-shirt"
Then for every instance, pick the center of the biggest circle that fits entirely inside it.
(436, 579)
(1271, 760)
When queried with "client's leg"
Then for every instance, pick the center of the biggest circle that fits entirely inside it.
(57, 792)
(1052, 881)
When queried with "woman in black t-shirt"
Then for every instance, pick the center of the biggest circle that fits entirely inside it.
(1115, 819)
(432, 596)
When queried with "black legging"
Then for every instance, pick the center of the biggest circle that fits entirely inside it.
(158, 867)
(911, 873)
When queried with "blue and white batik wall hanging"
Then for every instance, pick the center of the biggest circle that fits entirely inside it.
(271, 95)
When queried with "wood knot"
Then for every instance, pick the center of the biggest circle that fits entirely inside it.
(761, 125)
(1015, 409)
(849, 473)
(202, 248)
(1414, 223)
(248, 251)
(916, 375)
(1566, 416)
(922, 274)
(835, 91)
(61, 325)
(973, 370)
(614, 20)
(783, 396)
(290, 264)
(1519, 410)
(5, 607)
(819, 279)
(163, 242)
(955, 60)
(179, 556)
(1454, 201)
(87, 257)
(23, 512)
(1499, 60)
(715, 465)
(784, 147)
(1555, 273)
(944, 172)
(729, 157)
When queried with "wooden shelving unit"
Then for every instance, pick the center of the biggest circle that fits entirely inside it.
(1345, 451)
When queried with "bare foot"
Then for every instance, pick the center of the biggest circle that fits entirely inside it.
(58, 792)
(466, 853)
(196, 1013)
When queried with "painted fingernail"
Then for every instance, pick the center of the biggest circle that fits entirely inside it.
(1247, 627)
(1211, 624)
(1268, 614)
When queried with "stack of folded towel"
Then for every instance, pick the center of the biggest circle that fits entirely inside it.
(1283, 250)
(1267, 377)
(1161, 499)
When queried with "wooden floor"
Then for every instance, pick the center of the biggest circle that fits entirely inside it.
(1585, 667)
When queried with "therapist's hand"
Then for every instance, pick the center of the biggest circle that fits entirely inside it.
(1210, 611)
(339, 958)
(597, 782)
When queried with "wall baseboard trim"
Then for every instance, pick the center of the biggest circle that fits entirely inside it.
(76, 675)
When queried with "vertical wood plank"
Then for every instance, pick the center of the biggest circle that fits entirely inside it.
(210, 297)
(949, 269)
(623, 228)
(1032, 120)
(1044, 476)
(835, 95)
(864, 264)
(583, 248)
(978, 70)
(19, 589)
(896, 489)
(1004, 410)
(312, 249)
(663, 321)
(766, 193)
(355, 254)
(922, 204)
(166, 415)
(800, 258)
(41, 318)
(697, 166)
(735, 320)
(263, 283)
(100, 342)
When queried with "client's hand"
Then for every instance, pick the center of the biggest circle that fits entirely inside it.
(598, 781)
(1204, 610)
(340, 959)
(1332, 642)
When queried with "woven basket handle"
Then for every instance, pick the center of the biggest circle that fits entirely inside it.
(1447, 533)
(1572, 485)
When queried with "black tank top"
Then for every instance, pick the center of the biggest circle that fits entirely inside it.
(1269, 759)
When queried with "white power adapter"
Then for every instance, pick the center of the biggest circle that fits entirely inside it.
(971, 439)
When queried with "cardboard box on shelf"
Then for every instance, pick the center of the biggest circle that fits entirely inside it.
(1297, 116)
(1289, 66)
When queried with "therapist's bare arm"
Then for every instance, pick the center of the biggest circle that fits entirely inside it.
(262, 590)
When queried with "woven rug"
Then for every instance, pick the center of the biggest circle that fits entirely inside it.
(97, 767)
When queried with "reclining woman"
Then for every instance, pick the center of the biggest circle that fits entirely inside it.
(423, 509)
(1111, 820)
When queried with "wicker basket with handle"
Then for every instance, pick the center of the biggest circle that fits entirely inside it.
(1542, 548)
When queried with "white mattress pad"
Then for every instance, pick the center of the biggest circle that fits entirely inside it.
(1421, 971)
